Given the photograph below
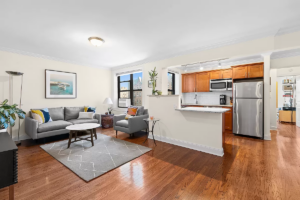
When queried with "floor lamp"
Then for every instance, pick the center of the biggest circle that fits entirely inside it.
(11, 75)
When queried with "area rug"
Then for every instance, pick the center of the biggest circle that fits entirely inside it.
(88, 161)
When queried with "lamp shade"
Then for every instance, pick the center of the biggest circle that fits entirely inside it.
(107, 101)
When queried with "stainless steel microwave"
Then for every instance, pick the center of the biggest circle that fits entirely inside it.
(220, 84)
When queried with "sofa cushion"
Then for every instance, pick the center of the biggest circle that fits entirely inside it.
(56, 113)
(72, 112)
(82, 121)
(122, 123)
(54, 125)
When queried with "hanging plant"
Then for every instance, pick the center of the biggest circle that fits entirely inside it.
(8, 114)
(153, 78)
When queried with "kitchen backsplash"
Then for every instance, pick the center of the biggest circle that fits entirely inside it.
(206, 98)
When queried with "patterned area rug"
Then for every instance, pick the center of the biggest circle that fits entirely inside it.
(88, 161)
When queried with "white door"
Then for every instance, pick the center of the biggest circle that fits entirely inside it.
(298, 101)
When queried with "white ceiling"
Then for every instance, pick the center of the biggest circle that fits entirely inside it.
(135, 31)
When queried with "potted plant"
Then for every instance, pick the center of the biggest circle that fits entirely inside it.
(8, 115)
(153, 77)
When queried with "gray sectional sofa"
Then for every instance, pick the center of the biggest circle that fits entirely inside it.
(62, 117)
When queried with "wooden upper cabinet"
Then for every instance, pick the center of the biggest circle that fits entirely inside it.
(216, 74)
(188, 83)
(239, 72)
(227, 73)
(202, 82)
(256, 70)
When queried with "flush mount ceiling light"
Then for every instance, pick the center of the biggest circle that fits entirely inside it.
(96, 41)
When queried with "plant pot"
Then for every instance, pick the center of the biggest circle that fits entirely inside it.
(3, 130)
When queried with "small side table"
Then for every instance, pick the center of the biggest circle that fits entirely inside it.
(153, 124)
(107, 121)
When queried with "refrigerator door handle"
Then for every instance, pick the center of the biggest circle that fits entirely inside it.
(234, 98)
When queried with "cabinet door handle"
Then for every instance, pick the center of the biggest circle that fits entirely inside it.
(245, 74)
(248, 74)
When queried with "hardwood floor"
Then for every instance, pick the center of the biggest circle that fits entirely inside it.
(250, 169)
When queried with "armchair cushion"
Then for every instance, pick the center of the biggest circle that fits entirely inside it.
(123, 123)
(140, 110)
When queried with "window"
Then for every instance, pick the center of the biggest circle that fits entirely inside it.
(130, 87)
(171, 83)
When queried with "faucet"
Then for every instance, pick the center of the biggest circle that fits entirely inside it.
(196, 98)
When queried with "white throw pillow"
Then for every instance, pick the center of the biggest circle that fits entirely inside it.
(86, 115)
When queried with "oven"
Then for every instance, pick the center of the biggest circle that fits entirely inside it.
(220, 84)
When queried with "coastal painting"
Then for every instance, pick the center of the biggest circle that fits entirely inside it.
(61, 85)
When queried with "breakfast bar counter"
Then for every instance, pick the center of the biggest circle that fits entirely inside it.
(198, 128)
(201, 109)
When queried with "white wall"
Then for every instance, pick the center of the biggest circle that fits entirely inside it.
(196, 130)
(273, 116)
(93, 85)
(252, 47)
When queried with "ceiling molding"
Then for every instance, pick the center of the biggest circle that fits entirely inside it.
(244, 60)
(25, 53)
(286, 54)
(219, 44)
(287, 30)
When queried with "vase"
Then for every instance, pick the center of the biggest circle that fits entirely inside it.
(153, 88)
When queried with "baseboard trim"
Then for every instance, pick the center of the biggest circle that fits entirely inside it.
(189, 145)
(267, 137)
(22, 137)
(273, 127)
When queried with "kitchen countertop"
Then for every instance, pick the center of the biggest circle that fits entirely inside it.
(200, 109)
(193, 104)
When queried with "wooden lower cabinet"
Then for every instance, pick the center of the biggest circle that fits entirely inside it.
(287, 116)
(228, 119)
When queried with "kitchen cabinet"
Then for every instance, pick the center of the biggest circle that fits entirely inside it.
(217, 74)
(286, 116)
(188, 83)
(228, 119)
(239, 72)
(256, 70)
(227, 73)
(202, 82)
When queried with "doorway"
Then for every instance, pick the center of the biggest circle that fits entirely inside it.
(286, 99)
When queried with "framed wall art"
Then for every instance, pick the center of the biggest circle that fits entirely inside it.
(60, 85)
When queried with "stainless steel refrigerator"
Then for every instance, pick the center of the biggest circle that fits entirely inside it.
(248, 108)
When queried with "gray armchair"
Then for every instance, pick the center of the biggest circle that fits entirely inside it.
(131, 125)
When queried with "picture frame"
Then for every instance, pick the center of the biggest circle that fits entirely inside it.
(60, 84)
(150, 84)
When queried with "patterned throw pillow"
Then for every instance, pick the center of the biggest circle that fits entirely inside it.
(127, 117)
(41, 115)
(89, 109)
(131, 112)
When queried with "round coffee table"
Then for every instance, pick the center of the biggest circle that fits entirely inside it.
(91, 127)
